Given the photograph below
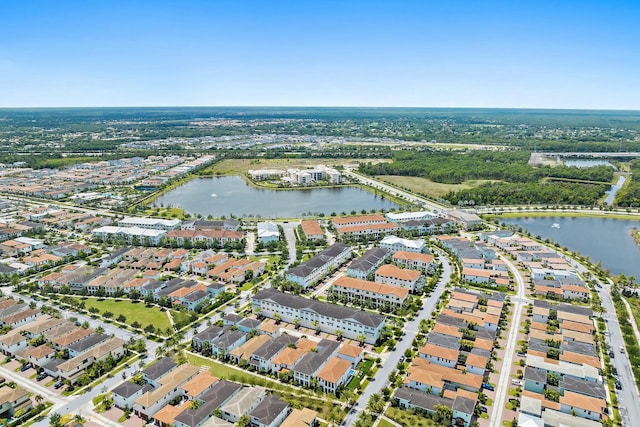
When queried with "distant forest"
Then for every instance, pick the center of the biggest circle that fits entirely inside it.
(542, 130)
(519, 182)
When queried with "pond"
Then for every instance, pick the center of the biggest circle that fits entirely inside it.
(222, 196)
(587, 163)
(604, 240)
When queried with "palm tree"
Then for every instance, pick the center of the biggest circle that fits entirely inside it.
(161, 352)
(78, 419)
(54, 419)
(361, 338)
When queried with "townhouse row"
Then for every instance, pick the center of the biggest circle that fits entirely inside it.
(450, 367)
(551, 273)
(325, 363)
(188, 396)
(80, 347)
(562, 380)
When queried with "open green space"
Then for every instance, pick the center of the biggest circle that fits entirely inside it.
(180, 317)
(385, 423)
(220, 370)
(426, 186)
(408, 418)
(133, 311)
(241, 166)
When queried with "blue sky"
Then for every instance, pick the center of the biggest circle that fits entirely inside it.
(535, 54)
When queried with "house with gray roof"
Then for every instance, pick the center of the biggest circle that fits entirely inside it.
(248, 324)
(217, 396)
(206, 336)
(162, 367)
(261, 358)
(271, 412)
(126, 393)
(413, 399)
(311, 363)
(86, 343)
(367, 264)
(310, 272)
(463, 409)
(192, 300)
(227, 341)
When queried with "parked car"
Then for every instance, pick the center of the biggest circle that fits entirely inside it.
(25, 367)
(41, 376)
(58, 384)
(618, 385)
(612, 354)
(516, 382)
(488, 386)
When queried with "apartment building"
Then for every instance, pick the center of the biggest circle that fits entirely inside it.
(328, 317)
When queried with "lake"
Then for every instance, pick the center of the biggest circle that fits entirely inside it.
(587, 163)
(222, 196)
(603, 239)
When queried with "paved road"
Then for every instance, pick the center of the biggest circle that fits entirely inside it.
(391, 360)
(289, 235)
(502, 389)
(628, 397)
(436, 207)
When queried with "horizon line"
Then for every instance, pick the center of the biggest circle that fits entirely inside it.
(319, 107)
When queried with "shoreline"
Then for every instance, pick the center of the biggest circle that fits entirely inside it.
(562, 213)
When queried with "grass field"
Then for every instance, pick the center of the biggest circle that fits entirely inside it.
(404, 418)
(219, 370)
(241, 166)
(426, 186)
(384, 423)
(132, 311)
(180, 316)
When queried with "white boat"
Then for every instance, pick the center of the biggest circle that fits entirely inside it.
(555, 225)
(214, 195)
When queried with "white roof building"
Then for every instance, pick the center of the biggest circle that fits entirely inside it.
(394, 243)
(29, 241)
(409, 216)
(153, 236)
(150, 223)
(268, 232)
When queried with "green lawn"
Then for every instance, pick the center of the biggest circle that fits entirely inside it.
(180, 317)
(133, 311)
(426, 186)
(385, 423)
(230, 373)
(406, 419)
